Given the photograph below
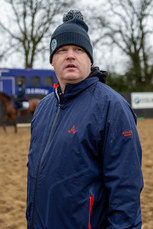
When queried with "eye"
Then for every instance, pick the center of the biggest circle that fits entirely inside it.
(61, 50)
(79, 50)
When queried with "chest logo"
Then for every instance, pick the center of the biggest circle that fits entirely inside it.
(72, 130)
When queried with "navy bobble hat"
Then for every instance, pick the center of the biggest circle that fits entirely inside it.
(73, 31)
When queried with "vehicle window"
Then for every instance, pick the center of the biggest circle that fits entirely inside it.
(48, 81)
(35, 81)
(18, 78)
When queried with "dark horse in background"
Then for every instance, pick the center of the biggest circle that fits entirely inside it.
(11, 112)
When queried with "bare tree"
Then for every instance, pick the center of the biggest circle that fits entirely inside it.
(130, 29)
(33, 21)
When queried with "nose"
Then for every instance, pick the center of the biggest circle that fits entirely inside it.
(70, 54)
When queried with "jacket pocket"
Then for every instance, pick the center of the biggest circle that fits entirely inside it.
(67, 205)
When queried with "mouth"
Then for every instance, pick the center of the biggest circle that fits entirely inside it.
(70, 66)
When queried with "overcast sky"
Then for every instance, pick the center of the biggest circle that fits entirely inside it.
(111, 58)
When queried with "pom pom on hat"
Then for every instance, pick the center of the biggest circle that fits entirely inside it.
(72, 14)
(73, 31)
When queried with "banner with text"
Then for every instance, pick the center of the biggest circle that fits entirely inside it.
(141, 100)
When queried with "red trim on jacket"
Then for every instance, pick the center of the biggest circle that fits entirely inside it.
(91, 205)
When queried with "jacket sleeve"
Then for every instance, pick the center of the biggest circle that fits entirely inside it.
(122, 173)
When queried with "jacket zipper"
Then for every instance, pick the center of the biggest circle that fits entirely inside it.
(90, 208)
(40, 163)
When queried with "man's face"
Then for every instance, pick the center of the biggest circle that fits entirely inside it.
(71, 64)
(19, 83)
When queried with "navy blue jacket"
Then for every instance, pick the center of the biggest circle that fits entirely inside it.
(84, 162)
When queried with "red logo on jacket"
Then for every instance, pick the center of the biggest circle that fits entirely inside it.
(72, 130)
(127, 133)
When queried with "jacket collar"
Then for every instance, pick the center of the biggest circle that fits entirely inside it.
(72, 90)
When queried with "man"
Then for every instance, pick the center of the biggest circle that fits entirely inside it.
(20, 94)
(84, 163)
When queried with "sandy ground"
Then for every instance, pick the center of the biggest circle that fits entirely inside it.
(13, 173)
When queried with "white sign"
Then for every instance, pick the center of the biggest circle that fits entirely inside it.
(40, 91)
(141, 100)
